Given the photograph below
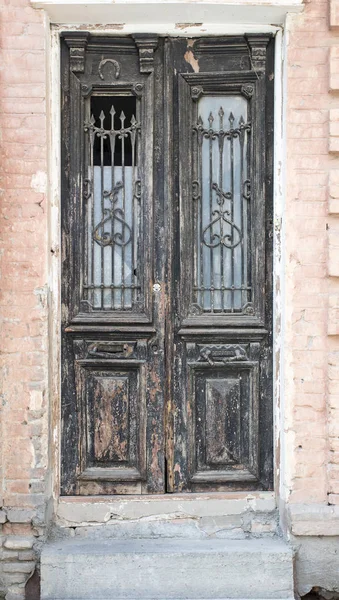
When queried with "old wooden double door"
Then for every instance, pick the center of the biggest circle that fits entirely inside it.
(166, 264)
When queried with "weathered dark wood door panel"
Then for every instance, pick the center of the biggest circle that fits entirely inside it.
(113, 261)
(166, 256)
(221, 412)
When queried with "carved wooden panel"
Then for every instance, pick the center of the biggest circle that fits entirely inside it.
(113, 427)
(111, 418)
(222, 414)
(225, 424)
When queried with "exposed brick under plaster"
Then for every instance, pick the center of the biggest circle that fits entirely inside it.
(311, 354)
(24, 419)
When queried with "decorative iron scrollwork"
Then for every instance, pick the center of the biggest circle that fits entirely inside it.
(111, 214)
(247, 189)
(230, 238)
(220, 186)
(211, 133)
(113, 191)
(137, 189)
(87, 188)
(196, 190)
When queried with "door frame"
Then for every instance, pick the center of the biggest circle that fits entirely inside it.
(54, 164)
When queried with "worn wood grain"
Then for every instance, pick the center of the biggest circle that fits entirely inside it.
(170, 395)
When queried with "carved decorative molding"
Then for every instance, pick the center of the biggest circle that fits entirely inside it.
(247, 90)
(146, 45)
(225, 353)
(248, 309)
(196, 92)
(113, 62)
(138, 89)
(111, 349)
(104, 349)
(257, 46)
(77, 44)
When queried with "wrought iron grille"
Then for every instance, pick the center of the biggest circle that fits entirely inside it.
(113, 195)
(221, 195)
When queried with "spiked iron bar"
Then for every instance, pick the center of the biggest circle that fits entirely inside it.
(113, 193)
(222, 237)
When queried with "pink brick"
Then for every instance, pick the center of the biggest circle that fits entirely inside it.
(334, 69)
(333, 192)
(333, 249)
(333, 314)
(334, 14)
(334, 130)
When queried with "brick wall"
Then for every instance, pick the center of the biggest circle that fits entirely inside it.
(312, 257)
(333, 264)
(23, 307)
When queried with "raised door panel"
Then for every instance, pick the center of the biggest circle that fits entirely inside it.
(114, 432)
(223, 404)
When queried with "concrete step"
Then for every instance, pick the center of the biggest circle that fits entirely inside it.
(167, 569)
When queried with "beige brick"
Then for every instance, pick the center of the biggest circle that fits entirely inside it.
(333, 250)
(334, 130)
(334, 69)
(16, 515)
(333, 314)
(19, 567)
(333, 192)
(334, 14)
(17, 543)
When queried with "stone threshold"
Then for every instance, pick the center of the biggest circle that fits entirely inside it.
(167, 569)
(76, 510)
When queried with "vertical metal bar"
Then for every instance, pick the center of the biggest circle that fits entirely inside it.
(87, 198)
(247, 248)
(195, 211)
(138, 204)
(91, 141)
(133, 200)
(102, 248)
(210, 120)
(221, 138)
(231, 121)
(242, 207)
(123, 135)
(196, 195)
(112, 144)
(200, 143)
(248, 143)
